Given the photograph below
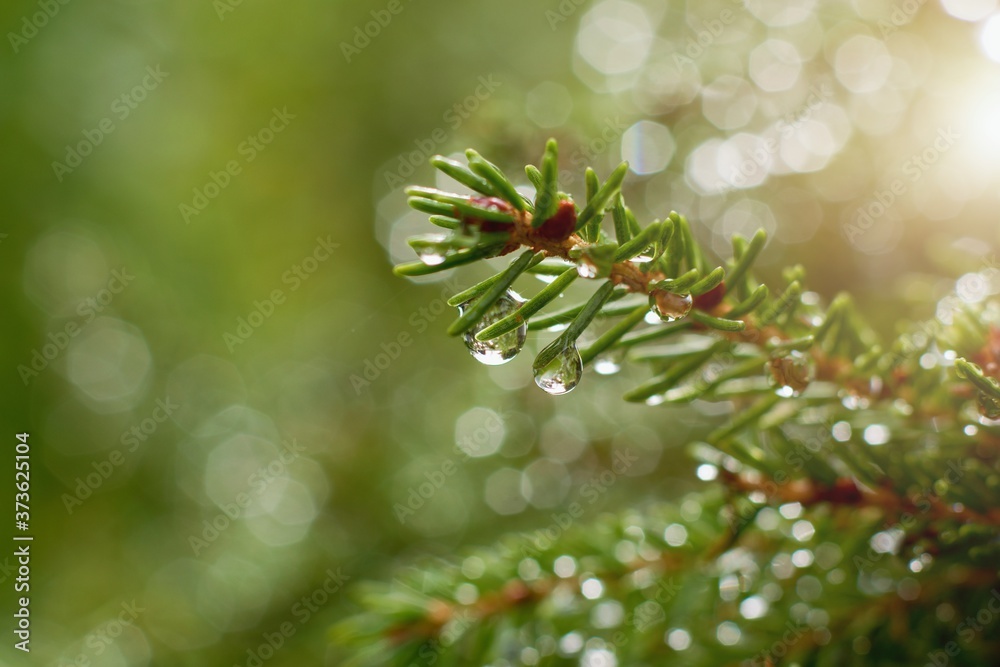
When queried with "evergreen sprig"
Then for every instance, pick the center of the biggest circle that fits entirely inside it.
(661, 261)
(854, 508)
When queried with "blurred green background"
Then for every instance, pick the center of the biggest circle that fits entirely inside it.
(202, 205)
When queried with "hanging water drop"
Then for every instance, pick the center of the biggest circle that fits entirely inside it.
(504, 347)
(791, 374)
(989, 407)
(669, 306)
(562, 373)
(430, 248)
(431, 255)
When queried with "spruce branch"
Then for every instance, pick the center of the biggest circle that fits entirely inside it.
(661, 262)
(862, 471)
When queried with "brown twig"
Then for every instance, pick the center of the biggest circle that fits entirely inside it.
(846, 492)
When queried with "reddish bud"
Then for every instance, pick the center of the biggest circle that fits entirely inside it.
(988, 357)
(843, 492)
(562, 224)
(711, 298)
(490, 204)
(516, 591)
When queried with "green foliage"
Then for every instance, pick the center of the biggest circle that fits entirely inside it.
(853, 510)
(671, 272)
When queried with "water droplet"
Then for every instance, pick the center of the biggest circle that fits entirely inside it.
(430, 248)
(431, 255)
(608, 363)
(841, 431)
(586, 269)
(642, 259)
(505, 347)
(853, 401)
(561, 374)
(790, 375)
(877, 434)
(903, 407)
(858, 394)
(989, 407)
(669, 306)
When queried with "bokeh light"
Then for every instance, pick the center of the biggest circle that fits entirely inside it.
(221, 428)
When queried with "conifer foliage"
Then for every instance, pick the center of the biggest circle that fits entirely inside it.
(850, 514)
